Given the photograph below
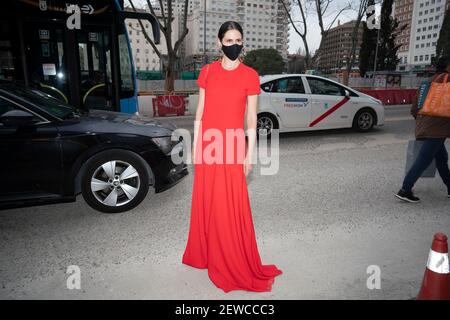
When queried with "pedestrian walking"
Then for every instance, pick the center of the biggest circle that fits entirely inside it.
(433, 131)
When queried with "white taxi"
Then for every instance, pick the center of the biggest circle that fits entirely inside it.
(302, 102)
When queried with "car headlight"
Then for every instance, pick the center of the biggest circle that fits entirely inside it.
(166, 144)
(376, 100)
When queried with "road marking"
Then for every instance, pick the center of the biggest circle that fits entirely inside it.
(398, 119)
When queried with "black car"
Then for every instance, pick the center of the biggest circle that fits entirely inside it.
(51, 151)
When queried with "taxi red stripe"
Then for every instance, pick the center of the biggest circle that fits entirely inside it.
(329, 111)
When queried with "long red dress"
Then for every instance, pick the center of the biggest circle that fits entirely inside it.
(221, 234)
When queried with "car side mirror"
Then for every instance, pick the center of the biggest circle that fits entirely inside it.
(347, 93)
(17, 118)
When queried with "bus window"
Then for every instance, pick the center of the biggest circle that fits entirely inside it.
(7, 68)
(126, 71)
(45, 54)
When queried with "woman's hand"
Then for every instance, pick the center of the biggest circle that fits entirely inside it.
(248, 166)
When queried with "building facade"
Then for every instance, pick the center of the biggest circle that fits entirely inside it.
(335, 49)
(144, 56)
(425, 24)
(403, 12)
(264, 23)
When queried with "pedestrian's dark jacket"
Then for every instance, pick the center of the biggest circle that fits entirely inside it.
(427, 126)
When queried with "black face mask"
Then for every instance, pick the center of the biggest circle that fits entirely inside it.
(233, 51)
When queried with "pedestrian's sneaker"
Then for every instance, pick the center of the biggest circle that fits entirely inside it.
(407, 196)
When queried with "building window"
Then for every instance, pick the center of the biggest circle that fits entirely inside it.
(415, 58)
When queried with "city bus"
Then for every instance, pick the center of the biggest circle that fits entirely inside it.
(77, 51)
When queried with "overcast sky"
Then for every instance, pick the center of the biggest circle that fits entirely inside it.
(313, 33)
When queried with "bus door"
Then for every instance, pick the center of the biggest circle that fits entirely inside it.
(73, 66)
(45, 53)
(94, 51)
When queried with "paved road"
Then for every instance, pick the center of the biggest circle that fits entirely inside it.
(323, 219)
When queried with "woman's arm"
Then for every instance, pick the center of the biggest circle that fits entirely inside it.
(252, 105)
(198, 120)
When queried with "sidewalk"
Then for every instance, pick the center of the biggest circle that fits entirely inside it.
(187, 121)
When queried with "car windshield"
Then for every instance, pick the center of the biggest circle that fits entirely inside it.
(42, 100)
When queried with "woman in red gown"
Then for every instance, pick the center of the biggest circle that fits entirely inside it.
(221, 234)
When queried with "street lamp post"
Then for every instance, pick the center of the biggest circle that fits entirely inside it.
(376, 53)
(204, 31)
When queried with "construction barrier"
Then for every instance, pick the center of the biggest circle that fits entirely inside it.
(392, 96)
(169, 105)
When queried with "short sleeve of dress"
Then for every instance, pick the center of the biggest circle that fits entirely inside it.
(253, 86)
(201, 80)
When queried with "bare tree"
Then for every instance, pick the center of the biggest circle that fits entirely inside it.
(302, 33)
(322, 9)
(361, 11)
(166, 28)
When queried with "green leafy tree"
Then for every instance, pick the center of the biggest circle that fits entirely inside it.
(368, 45)
(387, 50)
(443, 43)
(265, 61)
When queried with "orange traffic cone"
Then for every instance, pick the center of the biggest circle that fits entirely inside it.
(436, 281)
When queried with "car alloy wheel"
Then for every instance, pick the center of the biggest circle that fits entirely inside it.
(115, 183)
(264, 126)
(365, 120)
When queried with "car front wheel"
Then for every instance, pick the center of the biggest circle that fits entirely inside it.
(265, 125)
(115, 181)
(364, 120)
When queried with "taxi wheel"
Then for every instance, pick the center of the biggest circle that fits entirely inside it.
(265, 124)
(364, 120)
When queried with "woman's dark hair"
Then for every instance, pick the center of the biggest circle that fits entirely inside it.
(229, 25)
(442, 63)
